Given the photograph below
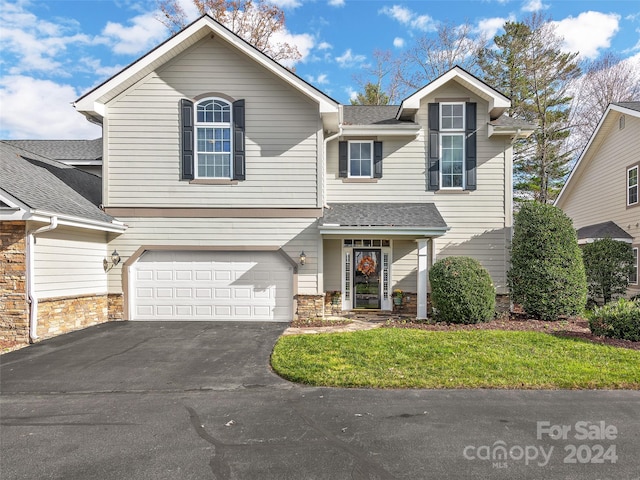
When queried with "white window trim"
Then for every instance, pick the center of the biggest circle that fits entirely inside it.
(464, 153)
(349, 158)
(464, 120)
(637, 185)
(198, 125)
(637, 266)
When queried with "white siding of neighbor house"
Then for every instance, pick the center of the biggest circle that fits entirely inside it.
(68, 262)
(597, 192)
(293, 235)
(142, 157)
(480, 220)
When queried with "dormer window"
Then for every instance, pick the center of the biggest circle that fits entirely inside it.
(213, 138)
(452, 116)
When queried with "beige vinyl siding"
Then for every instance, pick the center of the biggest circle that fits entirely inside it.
(68, 262)
(405, 265)
(480, 220)
(333, 264)
(598, 191)
(291, 234)
(282, 128)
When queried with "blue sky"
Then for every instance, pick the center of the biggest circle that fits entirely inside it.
(51, 52)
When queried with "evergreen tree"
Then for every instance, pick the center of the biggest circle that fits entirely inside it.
(372, 96)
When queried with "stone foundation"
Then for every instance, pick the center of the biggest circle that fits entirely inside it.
(14, 311)
(333, 303)
(409, 305)
(309, 307)
(503, 304)
(62, 315)
(115, 307)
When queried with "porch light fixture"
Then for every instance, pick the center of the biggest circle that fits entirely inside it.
(109, 263)
(303, 258)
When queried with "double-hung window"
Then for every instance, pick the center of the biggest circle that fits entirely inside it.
(213, 138)
(632, 185)
(633, 278)
(360, 159)
(452, 144)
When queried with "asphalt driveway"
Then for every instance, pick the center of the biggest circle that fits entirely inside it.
(198, 401)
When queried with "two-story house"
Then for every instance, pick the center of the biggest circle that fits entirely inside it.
(610, 163)
(248, 194)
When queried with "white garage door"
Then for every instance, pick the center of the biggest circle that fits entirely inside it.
(196, 285)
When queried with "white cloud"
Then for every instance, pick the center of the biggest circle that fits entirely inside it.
(534, 6)
(410, 18)
(336, 3)
(353, 94)
(303, 41)
(398, 42)
(489, 27)
(321, 79)
(324, 46)
(37, 45)
(348, 59)
(286, 3)
(41, 109)
(588, 33)
(143, 33)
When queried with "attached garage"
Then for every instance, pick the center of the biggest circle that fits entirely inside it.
(212, 285)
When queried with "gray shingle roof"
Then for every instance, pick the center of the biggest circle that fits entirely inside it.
(603, 230)
(383, 215)
(629, 105)
(371, 115)
(63, 150)
(48, 185)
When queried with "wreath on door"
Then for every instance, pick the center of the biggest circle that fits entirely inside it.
(367, 265)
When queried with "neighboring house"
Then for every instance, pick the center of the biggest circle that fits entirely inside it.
(84, 154)
(53, 241)
(610, 164)
(248, 194)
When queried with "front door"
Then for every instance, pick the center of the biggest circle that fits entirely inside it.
(366, 278)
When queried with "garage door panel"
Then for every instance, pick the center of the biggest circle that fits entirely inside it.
(212, 286)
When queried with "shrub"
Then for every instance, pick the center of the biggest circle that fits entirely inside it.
(547, 276)
(461, 291)
(608, 264)
(617, 320)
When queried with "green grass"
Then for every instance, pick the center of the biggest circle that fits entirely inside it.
(404, 358)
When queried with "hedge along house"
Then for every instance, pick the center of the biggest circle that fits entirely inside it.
(248, 194)
(54, 241)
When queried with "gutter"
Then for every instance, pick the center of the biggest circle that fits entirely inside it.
(31, 294)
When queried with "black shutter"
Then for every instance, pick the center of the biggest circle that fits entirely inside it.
(433, 162)
(186, 138)
(471, 146)
(343, 159)
(377, 159)
(239, 154)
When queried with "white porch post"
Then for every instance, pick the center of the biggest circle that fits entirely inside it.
(423, 272)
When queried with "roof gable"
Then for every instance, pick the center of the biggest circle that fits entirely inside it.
(92, 104)
(606, 122)
(497, 101)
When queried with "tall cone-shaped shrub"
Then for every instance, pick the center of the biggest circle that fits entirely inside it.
(547, 276)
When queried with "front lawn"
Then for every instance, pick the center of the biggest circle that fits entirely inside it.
(406, 358)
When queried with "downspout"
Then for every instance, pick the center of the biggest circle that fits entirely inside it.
(324, 164)
(513, 142)
(31, 294)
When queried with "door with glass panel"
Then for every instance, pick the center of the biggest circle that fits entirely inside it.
(366, 278)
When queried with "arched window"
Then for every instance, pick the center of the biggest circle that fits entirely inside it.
(213, 125)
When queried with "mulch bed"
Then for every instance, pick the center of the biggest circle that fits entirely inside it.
(569, 327)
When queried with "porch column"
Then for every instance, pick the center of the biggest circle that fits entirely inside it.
(423, 272)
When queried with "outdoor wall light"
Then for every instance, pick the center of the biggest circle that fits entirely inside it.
(303, 258)
(108, 264)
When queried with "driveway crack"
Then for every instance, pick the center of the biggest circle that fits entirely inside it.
(219, 466)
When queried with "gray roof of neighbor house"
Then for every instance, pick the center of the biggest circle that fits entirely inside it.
(371, 115)
(383, 215)
(629, 105)
(603, 230)
(50, 186)
(63, 150)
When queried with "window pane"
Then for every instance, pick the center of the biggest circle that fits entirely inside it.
(365, 168)
(355, 168)
(365, 151)
(354, 151)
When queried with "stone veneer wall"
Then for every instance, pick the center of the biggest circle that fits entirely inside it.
(62, 315)
(309, 307)
(14, 311)
(115, 307)
(409, 305)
